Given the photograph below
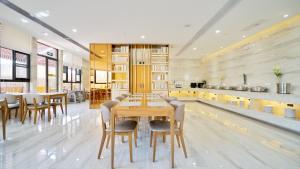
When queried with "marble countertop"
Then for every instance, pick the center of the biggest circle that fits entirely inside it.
(285, 98)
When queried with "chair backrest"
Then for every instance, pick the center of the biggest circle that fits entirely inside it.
(119, 98)
(169, 99)
(106, 110)
(30, 96)
(179, 110)
(11, 99)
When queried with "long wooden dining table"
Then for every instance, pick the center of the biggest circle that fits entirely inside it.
(146, 105)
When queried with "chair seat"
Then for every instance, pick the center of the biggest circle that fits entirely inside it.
(40, 106)
(124, 126)
(161, 126)
(13, 105)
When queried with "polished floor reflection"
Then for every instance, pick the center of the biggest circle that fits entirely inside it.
(214, 138)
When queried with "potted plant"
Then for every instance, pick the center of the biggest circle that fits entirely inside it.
(282, 88)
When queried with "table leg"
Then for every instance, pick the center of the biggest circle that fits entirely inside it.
(21, 107)
(66, 104)
(3, 111)
(172, 138)
(49, 112)
(112, 154)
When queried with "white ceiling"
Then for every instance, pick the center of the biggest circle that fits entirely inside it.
(161, 21)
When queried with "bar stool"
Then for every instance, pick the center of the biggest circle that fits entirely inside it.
(160, 127)
(122, 127)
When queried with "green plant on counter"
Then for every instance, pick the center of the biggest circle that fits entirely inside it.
(277, 72)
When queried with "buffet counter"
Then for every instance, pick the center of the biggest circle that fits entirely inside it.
(281, 110)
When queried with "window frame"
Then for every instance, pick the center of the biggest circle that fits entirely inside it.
(14, 66)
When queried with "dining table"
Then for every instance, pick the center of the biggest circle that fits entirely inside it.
(143, 105)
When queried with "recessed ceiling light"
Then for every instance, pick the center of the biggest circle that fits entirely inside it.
(221, 47)
(45, 34)
(194, 48)
(244, 36)
(143, 36)
(187, 25)
(42, 14)
(24, 20)
(285, 15)
(218, 31)
(74, 30)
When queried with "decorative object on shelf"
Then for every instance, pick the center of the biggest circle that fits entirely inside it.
(289, 112)
(258, 89)
(268, 109)
(282, 88)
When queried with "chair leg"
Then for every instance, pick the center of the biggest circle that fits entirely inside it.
(183, 145)
(16, 114)
(130, 145)
(151, 138)
(123, 141)
(8, 114)
(164, 137)
(54, 111)
(154, 145)
(61, 107)
(24, 116)
(178, 141)
(107, 141)
(101, 145)
(35, 116)
(135, 137)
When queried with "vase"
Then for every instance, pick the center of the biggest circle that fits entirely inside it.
(283, 88)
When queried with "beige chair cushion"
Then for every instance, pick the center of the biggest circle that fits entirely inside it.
(13, 106)
(161, 126)
(124, 126)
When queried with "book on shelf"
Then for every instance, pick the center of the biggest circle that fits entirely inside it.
(121, 49)
(158, 68)
(160, 50)
(120, 68)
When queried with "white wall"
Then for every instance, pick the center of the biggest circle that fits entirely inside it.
(257, 61)
(13, 38)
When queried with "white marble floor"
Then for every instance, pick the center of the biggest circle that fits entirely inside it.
(215, 139)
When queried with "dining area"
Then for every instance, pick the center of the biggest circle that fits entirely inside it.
(122, 117)
(33, 106)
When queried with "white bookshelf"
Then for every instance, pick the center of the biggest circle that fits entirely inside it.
(120, 70)
(160, 68)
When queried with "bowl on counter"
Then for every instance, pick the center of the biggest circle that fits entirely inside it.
(229, 87)
(241, 88)
(258, 89)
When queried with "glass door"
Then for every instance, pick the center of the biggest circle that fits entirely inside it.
(52, 75)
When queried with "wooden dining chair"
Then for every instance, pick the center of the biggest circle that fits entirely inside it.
(169, 99)
(162, 127)
(122, 127)
(11, 104)
(34, 103)
(57, 101)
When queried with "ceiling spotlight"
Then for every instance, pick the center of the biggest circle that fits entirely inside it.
(42, 14)
(244, 36)
(221, 47)
(187, 25)
(24, 20)
(143, 37)
(194, 48)
(45, 34)
(218, 31)
(74, 30)
(285, 15)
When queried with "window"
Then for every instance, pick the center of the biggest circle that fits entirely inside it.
(22, 65)
(6, 63)
(47, 68)
(71, 78)
(14, 70)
